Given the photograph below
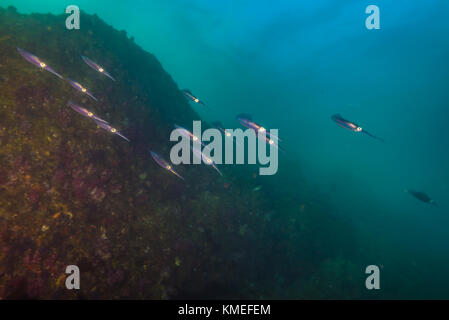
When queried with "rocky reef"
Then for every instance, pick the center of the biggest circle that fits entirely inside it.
(73, 194)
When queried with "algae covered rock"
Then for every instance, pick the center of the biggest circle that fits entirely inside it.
(72, 193)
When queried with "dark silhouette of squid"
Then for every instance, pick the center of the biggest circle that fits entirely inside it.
(421, 196)
(342, 122)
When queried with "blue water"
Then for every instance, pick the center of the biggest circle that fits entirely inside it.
(293, 64)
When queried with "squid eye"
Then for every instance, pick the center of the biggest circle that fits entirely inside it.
(168, 167)
(196, 100)
(195, 138)
(228, 134)
(359, 129)
(261, 129)
(83, 89)
(90, 114)
(101, 69)
(271, 141)
(43, 65)
(113, 130)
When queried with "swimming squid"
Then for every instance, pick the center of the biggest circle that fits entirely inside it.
(339, 120)
(109, 128)
(208, 161)
(164, 164)
(80, 88)
(246, 121)
(37, 62)
(219, 126)
(96, 67)
(272, 142)
(83, 111)
(188, 94)
(421, 196)
(186, 133)
(271, 139)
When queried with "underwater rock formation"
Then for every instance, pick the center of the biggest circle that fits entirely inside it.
(72, 194)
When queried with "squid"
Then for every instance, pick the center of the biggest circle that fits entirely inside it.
(271, 139)
(83, 111)
(186, 133)
(80, 88)
(188, 94)
(339, 120)
(96, 67)
(164, 164)
(218, 125)
(37, 62)
(208, 161)
(109, 128)
(421, 196)
(246, 121)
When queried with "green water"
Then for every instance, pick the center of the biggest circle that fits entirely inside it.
(292, 65)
